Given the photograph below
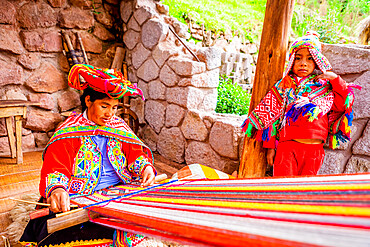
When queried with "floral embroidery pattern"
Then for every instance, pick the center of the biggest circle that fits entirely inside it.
(55, 180)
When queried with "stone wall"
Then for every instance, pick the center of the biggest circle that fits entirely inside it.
(177, 119)
(352, 63)
(32, 66)
(239, 67)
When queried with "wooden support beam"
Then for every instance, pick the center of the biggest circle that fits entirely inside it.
(270, 66)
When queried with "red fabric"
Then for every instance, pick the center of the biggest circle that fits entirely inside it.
(294, 159)
(60, 157)
(270, 143)
(317, 129)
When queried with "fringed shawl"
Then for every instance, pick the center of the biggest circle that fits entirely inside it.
(287, 101)
(77, 126)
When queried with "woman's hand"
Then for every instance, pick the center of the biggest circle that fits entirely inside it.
(270, 156)
(148, 177)
(327, 75)
(59, 201)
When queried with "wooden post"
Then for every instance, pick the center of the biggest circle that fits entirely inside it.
(270, 66)
(18, 133)
(118, 58)
(9, 127)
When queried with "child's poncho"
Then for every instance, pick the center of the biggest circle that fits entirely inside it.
(311, 99)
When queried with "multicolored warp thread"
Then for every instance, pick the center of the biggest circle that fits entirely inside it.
(296, 211)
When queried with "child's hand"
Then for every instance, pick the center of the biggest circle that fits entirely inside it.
(327, 75)
(270, 156)
(148, 177)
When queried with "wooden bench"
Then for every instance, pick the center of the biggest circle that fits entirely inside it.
(18, 110)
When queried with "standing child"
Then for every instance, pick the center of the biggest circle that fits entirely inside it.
(301, 111)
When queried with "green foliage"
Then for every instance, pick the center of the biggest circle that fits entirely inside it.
(241, 16)
(328, 27)
(232, 98)
(336, 23)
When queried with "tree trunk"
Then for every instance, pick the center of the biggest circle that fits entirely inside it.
(270, 66)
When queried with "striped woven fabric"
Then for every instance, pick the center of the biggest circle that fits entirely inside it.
(296, 211)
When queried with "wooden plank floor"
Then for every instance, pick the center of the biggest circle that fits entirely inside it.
(17, 180)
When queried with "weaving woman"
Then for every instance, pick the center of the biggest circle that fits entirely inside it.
(88, 152)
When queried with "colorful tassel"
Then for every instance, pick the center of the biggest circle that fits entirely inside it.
(266, 133)
(249, 130)
(315, 113)
(294, 112)
(245, 125)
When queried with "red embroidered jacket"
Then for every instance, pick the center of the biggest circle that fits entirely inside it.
(318, 128)
(73, 162)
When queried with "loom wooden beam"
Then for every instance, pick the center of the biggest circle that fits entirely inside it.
(270, 66)
(71, 219)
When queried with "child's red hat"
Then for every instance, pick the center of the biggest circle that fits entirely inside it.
(310, 41)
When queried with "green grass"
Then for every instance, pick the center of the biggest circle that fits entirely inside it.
(245, 17)
(337, 25)
(241, 16)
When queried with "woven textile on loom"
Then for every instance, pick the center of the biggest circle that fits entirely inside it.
(297, 211)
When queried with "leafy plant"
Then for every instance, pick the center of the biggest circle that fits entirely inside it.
(328, 27)
(232, 98)
(334, 20)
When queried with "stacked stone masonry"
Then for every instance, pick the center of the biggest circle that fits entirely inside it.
(177, 119)
(32, 65)
(352, 63)
(178, 116)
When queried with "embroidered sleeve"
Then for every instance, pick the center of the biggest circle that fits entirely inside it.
(341, 116)
(262, 123)
(341, 95)
(58, 163)
(55, 180)
(137, 167)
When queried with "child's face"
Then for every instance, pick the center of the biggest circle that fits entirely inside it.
(303, 63)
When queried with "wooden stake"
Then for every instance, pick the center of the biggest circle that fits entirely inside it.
(70, 46)
(36, 203)
(270, 66)
(69, 212)
(82, 47)
(125, 71)
(182, 42)
(118, 58)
